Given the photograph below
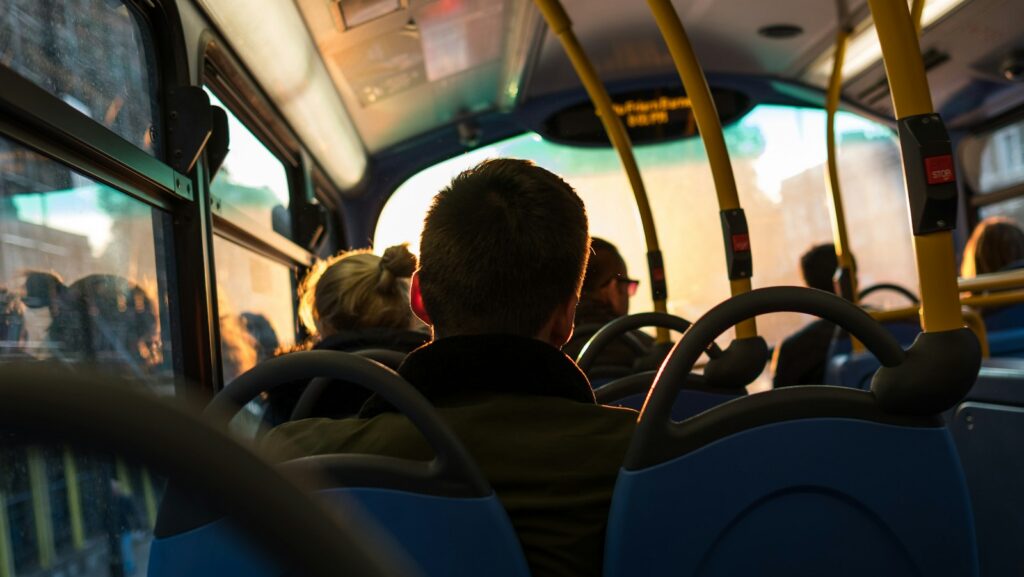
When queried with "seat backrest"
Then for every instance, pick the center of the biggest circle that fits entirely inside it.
(988, 429)
(1005, 330)
(442, 513)
(848, 492)
(693, 399)
(442, 535)
(851, 370)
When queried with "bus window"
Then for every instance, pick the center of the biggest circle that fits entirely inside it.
(257, 311)
(82, 269)
(93, 55)
(778, 155)
(251, 188)
(994, 168)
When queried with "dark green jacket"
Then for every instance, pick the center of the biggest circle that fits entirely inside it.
(527, 415)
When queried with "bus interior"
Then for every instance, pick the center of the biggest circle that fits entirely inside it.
(171, 171)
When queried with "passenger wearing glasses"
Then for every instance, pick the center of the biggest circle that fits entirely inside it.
(604, 298)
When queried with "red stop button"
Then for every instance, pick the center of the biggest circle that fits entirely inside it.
(740, 242)
(939, 169)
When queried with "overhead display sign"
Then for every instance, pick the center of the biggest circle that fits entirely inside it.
(649, 116)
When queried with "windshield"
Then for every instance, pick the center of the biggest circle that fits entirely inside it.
(778, 155)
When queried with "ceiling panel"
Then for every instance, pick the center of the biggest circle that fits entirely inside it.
(623, 40)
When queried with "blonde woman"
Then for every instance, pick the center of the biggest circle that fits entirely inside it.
(353, 301)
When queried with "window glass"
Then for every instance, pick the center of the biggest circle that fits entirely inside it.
(84, 274)
(251, 187)
(995, 161)
(94, 55)
(74, 513)
(257, 310)
(778, 156)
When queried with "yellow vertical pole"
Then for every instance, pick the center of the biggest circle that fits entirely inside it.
(149, 496)
(916, 11)
(6, 553)
(561, 26)
(936, 260)
(844, 253)
(74, 500)
(41, 511)
(708, 123)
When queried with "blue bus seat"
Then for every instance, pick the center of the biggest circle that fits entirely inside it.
(442, 513)
(851, 370)
(823, 496)
(695, 398)
(442, 535)
(688, 404)
(988, 429)
(854, 370)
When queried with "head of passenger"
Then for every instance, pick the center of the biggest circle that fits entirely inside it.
(997, 243)
(358, 290)
(239, 349)
(98, 318)
(503, 250)
(259, 328)
(607, 280)
(13, 334)
(818, 266)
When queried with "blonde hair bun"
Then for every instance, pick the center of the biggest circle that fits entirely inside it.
(397, 263)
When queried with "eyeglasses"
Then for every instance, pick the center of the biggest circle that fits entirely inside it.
(631, 284)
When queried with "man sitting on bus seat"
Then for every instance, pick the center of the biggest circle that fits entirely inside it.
(503, 253)
(802, 357)
(607, 289)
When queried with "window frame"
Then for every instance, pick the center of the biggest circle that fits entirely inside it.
(32, 117)
(977, 200)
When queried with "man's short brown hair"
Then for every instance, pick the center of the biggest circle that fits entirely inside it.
(503, 246)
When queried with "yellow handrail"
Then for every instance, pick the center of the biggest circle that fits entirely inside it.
(976, 323)
(559, 23)
(936, 261)
(993, 281)
(982, 301)
(844, 253)
(708, 124)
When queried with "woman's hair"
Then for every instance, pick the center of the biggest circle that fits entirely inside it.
(357, 289)
(995, 243)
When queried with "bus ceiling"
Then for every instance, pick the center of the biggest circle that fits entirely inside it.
(359, 79)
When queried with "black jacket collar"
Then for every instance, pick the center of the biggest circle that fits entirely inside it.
(373, 338)
(491, 363)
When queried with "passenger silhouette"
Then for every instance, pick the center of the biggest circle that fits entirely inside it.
(802, 357)
(103, 320)
(996, 244)
(13, 334)
(263, 334)
(503, 253)
(353, 301)
(605, 296)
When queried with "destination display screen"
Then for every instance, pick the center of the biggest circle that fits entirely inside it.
(649, 116)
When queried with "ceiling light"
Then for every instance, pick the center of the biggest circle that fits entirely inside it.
(863, 49)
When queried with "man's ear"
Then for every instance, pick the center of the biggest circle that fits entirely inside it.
(416, 299)
(563, 321)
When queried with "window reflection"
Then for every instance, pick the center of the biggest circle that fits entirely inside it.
(68, 47)
(83, 281)
(778, 155)
(257, 310)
